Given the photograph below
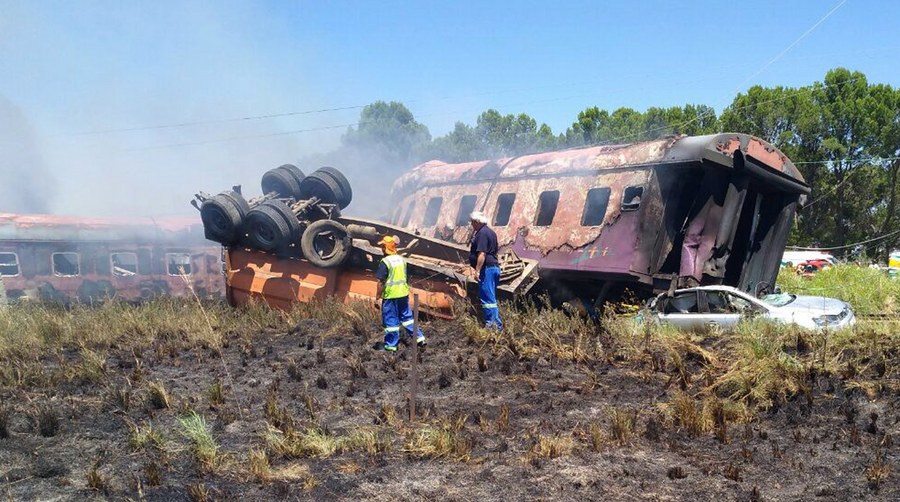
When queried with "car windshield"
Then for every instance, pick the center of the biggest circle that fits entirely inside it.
(779, 300)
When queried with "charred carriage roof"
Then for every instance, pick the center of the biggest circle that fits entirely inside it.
(731, 150)
(48, 228)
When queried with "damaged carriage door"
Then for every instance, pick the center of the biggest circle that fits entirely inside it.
(765, 221)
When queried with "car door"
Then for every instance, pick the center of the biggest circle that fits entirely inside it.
(721, 310)
(682, 310)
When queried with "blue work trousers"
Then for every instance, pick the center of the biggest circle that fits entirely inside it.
(395, 312)
(487, 289)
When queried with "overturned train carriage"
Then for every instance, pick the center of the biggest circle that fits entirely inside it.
(712, 209)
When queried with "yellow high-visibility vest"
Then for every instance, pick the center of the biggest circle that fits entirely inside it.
(395, 285)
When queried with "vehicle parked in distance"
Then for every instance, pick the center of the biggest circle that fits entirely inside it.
(810, 267)
(724, 307)
(794, 258)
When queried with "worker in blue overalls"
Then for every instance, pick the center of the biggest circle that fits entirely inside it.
(483, 258)
(393, 289)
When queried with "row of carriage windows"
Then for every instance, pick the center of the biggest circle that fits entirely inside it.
(123, 264)
(594, 211)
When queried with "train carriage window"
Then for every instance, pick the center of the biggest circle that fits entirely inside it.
(547, 208)
(124, 264)
(504, 209)
(178, 263)
(432, 211)
(631, 199)
(595, 206)
(9, 264)
(409, 213)
(466, 206)
(66, 264)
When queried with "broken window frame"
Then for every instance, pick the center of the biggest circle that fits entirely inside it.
(432, 211)
(14, 263)
(540, 218)
(593, 209)
(187, 271)
(77, 264)
(506, 211)
(125, 272)
(409, 212)
(628, 204)
(466, 206)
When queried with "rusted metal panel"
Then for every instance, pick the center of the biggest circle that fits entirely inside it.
(282, 282)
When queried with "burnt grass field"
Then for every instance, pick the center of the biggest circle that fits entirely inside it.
(176, 400)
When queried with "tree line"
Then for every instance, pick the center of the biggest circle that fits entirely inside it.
(843, 133)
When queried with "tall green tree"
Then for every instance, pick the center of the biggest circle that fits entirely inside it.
(389, 130)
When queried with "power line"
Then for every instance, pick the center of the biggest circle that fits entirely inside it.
(704, 115)
(863, 159)
(357, 107)
(846, 178)
(795, 42)
(836, 248)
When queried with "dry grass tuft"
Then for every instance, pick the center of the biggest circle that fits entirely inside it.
(597, 438)
(547, 447)
(158, 396)
(442, 442)
(388, 416)
(877, 472)
(95, 481)
(350, 468)
(152, 473)
(369, 440)
(623, 424)
(140, 437)
(258, 465)
(503, 419)
(277, 416)
(312, 442)
(216, 393)
(199, 492)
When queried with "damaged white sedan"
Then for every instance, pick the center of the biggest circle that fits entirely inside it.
(724, 307)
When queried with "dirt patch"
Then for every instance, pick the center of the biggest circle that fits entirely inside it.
(301, 416)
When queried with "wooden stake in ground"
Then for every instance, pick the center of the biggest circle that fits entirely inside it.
(414, 374)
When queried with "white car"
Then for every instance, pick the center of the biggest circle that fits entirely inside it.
(724, 306)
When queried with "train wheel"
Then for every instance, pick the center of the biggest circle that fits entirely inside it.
(324, 187)
(295, 173)
(283, 181)
(346, 193)
(326, 243)
(271, 226)
(223, 216)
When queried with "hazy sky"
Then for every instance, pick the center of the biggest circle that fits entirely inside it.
(69, 69)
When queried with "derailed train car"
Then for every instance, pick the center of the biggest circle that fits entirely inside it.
(649, 216)
(65, 259)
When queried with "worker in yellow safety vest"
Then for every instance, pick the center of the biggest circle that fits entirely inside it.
(393, 289)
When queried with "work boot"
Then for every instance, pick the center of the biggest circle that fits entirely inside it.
(381, 347)
(420, 341)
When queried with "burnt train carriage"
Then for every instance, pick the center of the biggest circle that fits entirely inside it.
(88, 259)
(711, 209)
